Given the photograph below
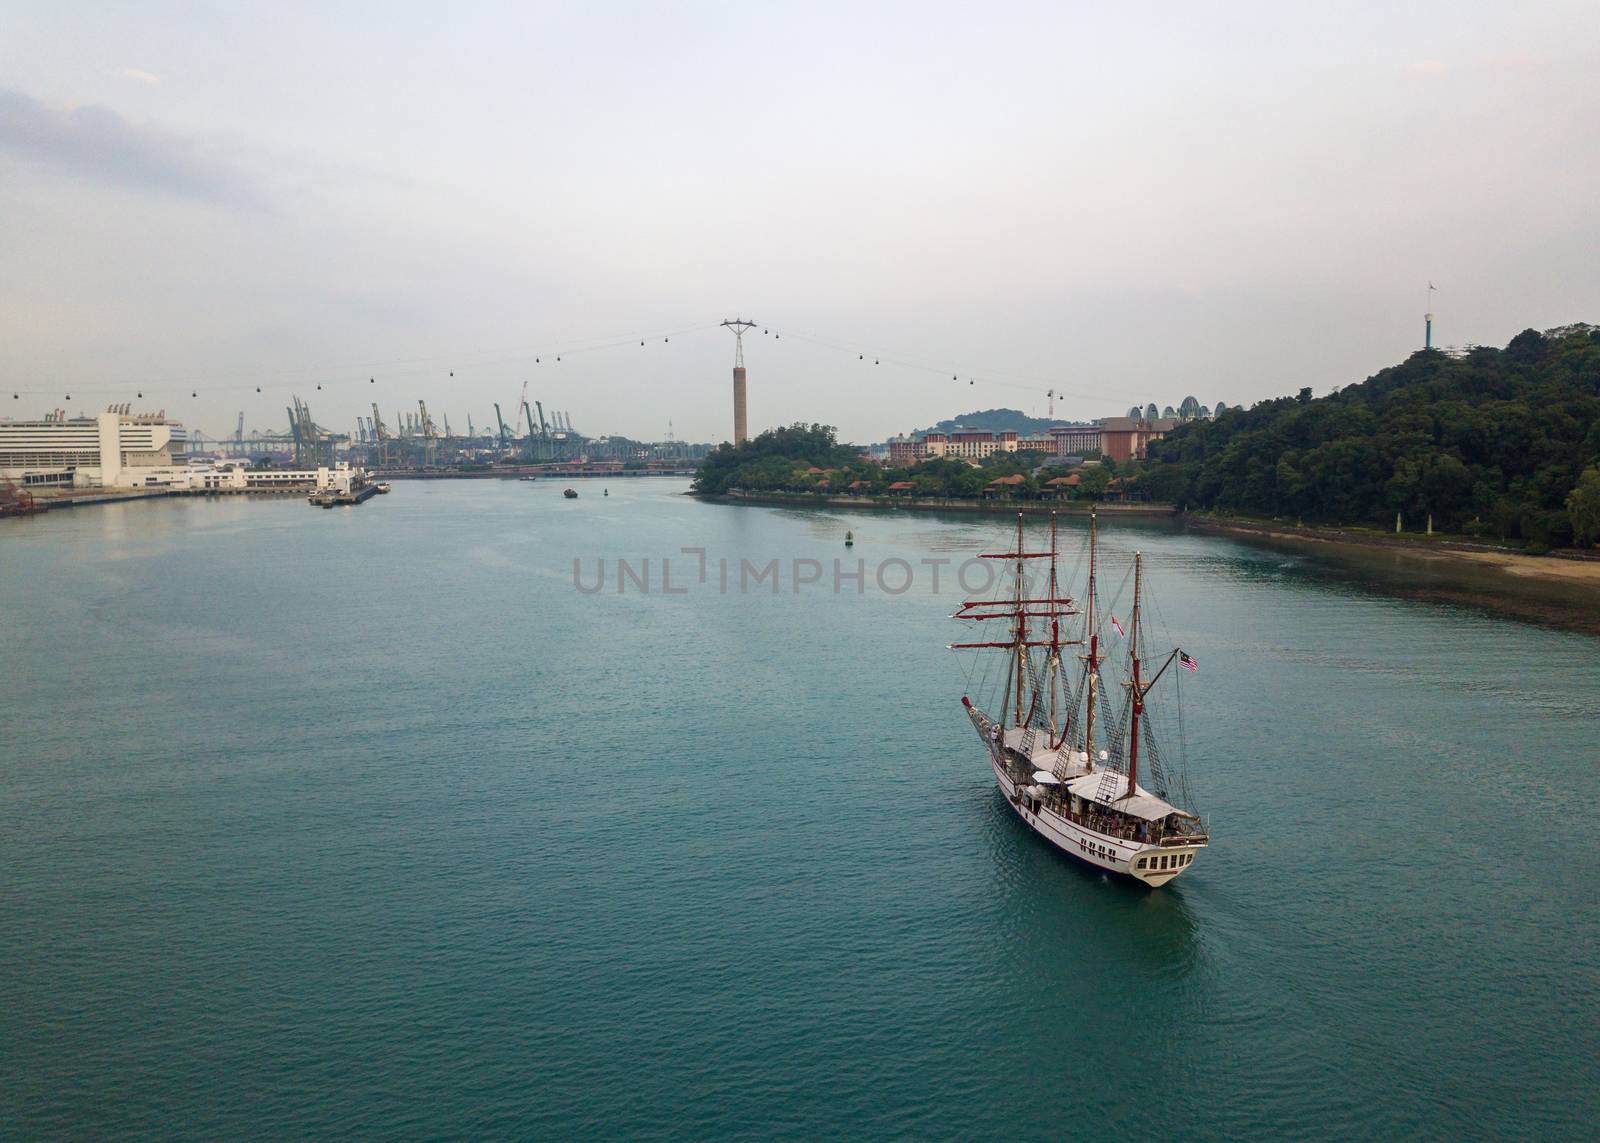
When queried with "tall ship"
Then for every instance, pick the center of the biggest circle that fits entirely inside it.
(1077, 760)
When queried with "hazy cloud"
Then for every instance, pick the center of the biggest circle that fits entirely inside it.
(140, 75)
(99, 146)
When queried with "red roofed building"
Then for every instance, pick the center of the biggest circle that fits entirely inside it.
(1006, 486)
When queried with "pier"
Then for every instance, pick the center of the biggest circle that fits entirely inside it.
(333, 497)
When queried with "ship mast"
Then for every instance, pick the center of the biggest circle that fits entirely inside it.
(1094, 651)
(1055, 631)
(1015, 609)
(1138, 694)
(1021, 630)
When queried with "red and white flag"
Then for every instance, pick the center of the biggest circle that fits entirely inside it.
(1118, 626)
(1187, 663)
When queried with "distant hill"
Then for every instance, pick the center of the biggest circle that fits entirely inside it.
(994, 420)
(1494, 442)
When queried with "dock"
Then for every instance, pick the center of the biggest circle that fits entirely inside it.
(331, 498)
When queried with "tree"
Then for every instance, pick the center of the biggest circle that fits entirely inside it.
(1092, 480)
(769, 460)
(1583, 507)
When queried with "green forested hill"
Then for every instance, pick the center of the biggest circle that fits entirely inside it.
(993, 420)
(769, 460)
(1495, 442)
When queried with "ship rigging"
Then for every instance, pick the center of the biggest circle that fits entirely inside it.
(1089, 802)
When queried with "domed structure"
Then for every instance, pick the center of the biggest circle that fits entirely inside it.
(1151, 412)
(1205, 413)
(1169, 412)
(1220, 409)
(1190, 409)
(1136, 412)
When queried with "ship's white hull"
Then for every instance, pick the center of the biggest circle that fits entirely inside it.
(1155, 865)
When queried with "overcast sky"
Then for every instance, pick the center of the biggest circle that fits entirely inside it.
(1124, 202)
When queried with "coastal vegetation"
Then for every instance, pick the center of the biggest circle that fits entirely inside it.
(809, 458)
(1496, 443)
(1488, 443)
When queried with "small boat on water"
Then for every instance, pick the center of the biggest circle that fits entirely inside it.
(849, 539)
(1124, 807)
(383, 487)
(605, 492)
(570, 493)
(527, 478)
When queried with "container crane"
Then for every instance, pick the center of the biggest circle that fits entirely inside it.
(522, 403)
(430, 436)
(533, 450)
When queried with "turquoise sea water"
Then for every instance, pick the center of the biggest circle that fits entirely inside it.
(367, 822)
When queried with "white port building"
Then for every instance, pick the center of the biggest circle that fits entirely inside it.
(112, 450)
(119, 449)
(234, 477)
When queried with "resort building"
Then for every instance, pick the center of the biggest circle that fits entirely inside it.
(964, 444)
(1119, 438)
(1189, 409)
(1075, 440)
(1127, 438)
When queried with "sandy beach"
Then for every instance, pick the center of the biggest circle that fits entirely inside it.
(1553, 590)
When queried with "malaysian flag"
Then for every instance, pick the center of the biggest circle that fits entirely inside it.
(1118, 626)
(1187, 663)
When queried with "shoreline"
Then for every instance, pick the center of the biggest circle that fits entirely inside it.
(933, 504)
(1560, 591)
(1566, 566)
